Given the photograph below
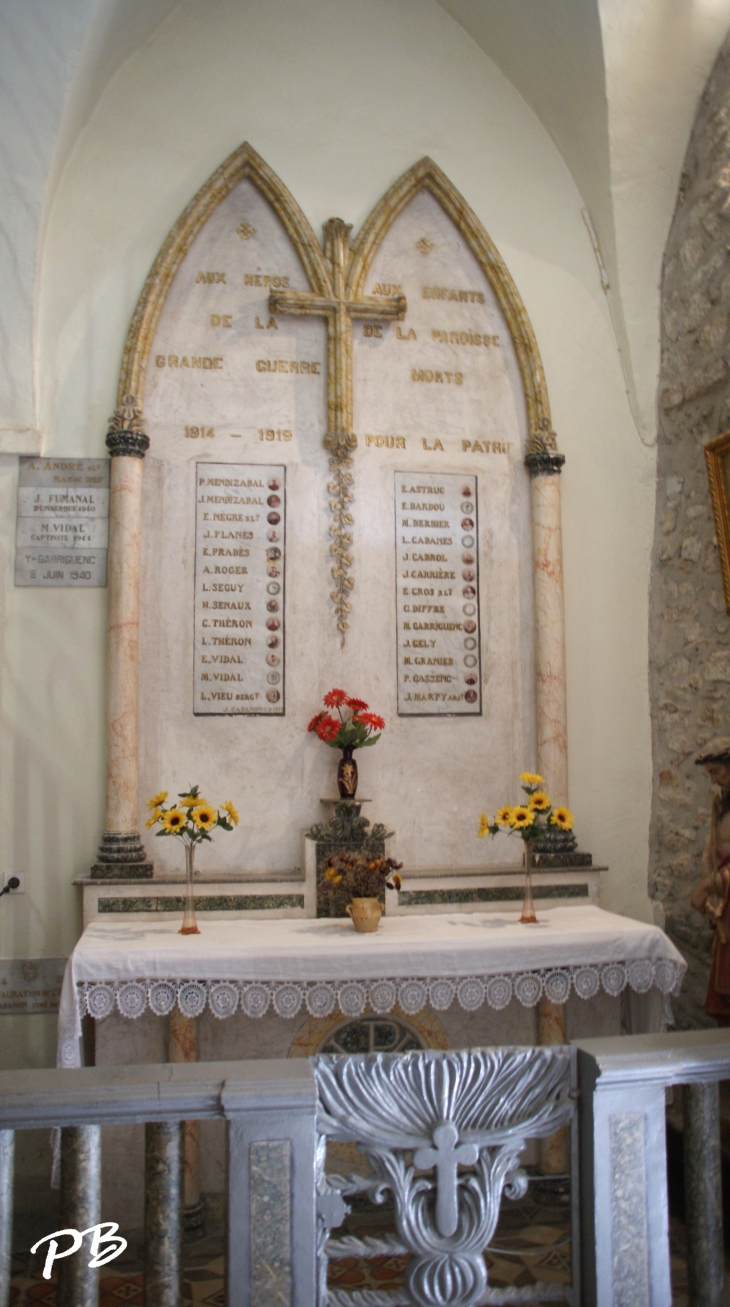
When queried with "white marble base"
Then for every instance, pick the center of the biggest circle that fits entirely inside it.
(277, 894)
(293, 893)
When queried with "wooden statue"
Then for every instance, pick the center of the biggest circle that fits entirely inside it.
(712, 896)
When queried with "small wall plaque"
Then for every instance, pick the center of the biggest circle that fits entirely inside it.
(63, 522)
(30, 985)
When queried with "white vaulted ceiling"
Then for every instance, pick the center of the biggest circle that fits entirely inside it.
(614, 82)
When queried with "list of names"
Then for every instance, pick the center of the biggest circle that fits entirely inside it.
(437, 595)
(239, 589)
(62, 528)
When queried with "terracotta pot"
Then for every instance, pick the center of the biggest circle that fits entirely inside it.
(365, 913)
(347, 774)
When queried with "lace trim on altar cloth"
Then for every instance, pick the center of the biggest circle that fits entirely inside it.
(321, 998)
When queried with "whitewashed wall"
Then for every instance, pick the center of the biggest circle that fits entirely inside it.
(339, 97)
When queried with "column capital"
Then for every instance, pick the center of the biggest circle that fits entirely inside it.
(126, 436)
(542, 457)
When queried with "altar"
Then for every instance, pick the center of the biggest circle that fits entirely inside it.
(295, 987)
(320, 967)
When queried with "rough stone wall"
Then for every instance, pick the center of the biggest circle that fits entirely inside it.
(689, 627)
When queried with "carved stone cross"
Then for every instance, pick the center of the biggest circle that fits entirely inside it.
(339, 306)
(445, 1156)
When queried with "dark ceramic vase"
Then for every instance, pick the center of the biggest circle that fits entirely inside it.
(347, 775)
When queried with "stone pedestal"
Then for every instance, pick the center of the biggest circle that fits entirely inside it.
(345, 832)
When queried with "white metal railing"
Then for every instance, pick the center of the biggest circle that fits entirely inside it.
(443, 1133)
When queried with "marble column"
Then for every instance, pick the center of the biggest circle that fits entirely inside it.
(78, 1283)
(7, 1157)
(555, 1149)
(163, 1215)
(703, 1195)
(545, 463)
(183, 1047)
(121, 853)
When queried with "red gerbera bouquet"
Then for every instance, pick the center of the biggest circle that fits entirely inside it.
(356, 726)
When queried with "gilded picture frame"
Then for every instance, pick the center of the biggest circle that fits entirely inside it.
(717, 457)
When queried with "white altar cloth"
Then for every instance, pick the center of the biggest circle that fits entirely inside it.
(320, 964)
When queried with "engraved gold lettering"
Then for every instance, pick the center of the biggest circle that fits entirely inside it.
(486, 446)
(371, 329)
(385, 289)
(268, 433)
(447, 293)
(385, 442)
(193, 433)
(287, 365)
(221, 320)
(427, 375)
(268, 279)
(463, 338)
(436, 445)
(411, 334)
(207, 364)
(211, 277)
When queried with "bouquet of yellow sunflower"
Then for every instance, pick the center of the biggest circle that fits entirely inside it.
(192, 817)
(531, 818)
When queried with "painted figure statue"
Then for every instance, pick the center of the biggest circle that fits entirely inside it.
(712, 896)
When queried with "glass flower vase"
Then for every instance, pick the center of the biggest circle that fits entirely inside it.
(528, 917)
(190, 925)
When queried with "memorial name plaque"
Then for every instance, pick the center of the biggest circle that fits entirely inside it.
(437, 585)
(30, 984)
(63, 522)
(239, 589)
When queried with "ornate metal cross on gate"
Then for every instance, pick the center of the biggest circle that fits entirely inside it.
(445, 1156)
(339, 306)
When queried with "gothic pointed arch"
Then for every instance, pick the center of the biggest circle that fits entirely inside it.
(426, 175)
(244, 162)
